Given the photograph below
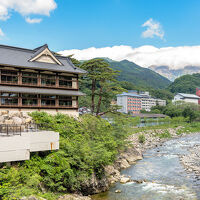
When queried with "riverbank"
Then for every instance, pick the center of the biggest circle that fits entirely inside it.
(137, 146)
(191, 161)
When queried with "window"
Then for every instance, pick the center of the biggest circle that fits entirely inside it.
(48, 80)
(65, 81)
(29, 78)
(29, 99)
(65, 101)
(8, 76)
(9, 98)
(48, 100)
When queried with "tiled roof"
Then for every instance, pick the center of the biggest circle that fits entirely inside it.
(19, 57)
(191, 96)
(40, 91)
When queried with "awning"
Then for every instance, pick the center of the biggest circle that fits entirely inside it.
(30, 90)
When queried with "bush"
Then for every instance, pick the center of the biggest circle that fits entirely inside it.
(87, 144)
(141, 138)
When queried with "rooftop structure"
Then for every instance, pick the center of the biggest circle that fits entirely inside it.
(188, 98)
(38, 79)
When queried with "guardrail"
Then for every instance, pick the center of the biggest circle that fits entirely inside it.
(13, 129)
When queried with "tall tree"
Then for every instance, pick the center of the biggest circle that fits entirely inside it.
(102, 78)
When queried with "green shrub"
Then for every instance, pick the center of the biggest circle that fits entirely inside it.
(141, 138)
(87, 144)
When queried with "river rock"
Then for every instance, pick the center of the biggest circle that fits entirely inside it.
(118, 191)
(74, 197)
(124, 180)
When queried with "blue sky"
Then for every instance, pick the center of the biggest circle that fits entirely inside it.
(80, 24)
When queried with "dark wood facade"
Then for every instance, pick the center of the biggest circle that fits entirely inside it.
(29, 83)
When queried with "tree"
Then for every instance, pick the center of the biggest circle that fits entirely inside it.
(188, 112)
(102, 80)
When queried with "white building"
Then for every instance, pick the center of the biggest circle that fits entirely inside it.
(188, 98)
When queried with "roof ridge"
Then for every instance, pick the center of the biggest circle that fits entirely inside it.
(14, 47)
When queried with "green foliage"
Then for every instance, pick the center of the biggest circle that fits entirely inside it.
(86, 145)
(182, 112)
(166, 134)
(141, 138)
(185, 84)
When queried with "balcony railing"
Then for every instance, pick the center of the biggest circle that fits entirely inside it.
(13, 129)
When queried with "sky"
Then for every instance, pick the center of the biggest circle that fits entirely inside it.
(147, 32)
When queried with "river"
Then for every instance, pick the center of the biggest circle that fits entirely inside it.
(165, 177)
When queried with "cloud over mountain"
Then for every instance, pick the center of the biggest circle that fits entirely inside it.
(145, 56)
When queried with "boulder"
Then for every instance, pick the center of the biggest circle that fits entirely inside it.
(28, 120)
(9, 121)
(14, 114)
(124, 164)
(124, 180)
(1, 119)
(4, 112)
(17, 120)
(74, 197)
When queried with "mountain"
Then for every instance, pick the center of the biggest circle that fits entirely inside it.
(185, 84)
(139, 76)
(172, 74)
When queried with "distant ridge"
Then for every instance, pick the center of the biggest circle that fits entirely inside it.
(139, 76)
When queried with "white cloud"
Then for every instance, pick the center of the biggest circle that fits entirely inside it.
(153, 29)
(1, 33)
(145, 56)
(33, 20)
(26, 7)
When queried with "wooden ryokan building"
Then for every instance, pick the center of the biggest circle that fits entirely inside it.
(38, 79)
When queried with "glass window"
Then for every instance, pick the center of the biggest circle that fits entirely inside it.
(29, 100)
(65, 81)
(48, 80)
(8, 76)
(29, 78)
(65, 101)
(48, 100)
(9, 99)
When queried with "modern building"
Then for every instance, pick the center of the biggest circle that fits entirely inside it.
(38, 79)
(188, 98)
(129, 102)
(134, 102)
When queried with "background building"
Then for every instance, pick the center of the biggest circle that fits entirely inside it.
(134, 102)
(188, 98)
(130, 103)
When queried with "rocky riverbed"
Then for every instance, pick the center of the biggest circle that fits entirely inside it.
(153, 138)
(191, 161)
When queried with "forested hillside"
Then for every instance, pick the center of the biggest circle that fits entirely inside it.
(139, 76)
(186, 84)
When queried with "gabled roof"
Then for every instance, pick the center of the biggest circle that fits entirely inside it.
(190, 96)
(24, 58)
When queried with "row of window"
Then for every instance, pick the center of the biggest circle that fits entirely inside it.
(28, 78)
(34, 100)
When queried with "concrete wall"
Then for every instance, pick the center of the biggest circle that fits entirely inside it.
(18, 148)
(14, 148)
